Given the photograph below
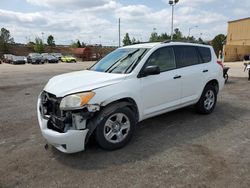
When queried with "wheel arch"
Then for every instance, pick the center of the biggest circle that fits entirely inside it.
(121, 102)
(126, 102)
(214, 83)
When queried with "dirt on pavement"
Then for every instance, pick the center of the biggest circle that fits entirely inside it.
(177, 149)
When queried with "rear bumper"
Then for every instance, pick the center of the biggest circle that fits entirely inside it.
(70, 142)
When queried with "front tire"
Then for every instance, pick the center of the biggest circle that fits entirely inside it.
(116, 127)
(207, 101)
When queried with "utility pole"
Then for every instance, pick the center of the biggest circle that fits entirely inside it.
(119, 28)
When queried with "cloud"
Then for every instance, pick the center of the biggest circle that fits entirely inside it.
(69, 4)
(240, 11)
(139, 20)
(64, 25)
(24, 18)
(191, 3)
(86, 20)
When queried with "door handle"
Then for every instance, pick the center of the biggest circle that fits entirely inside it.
(177, 77)
(205, 71)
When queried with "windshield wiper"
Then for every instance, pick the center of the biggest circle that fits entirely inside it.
(133, 65)
(118, 62)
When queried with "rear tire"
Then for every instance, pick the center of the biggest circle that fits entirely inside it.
(115, 128)
(207, 101)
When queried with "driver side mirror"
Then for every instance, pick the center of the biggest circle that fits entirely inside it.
(151, 70)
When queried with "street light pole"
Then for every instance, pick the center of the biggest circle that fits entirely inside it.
(119, 30)
(172, 24)
(172, 3)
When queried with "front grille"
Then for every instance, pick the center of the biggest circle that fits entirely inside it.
(50, 109)
(51, 104)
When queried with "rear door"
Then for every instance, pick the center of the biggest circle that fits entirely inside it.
(190, 64)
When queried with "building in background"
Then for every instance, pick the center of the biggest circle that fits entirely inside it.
(238, 40)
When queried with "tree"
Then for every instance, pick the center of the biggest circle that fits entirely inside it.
(218, 42)
(51, 41)
(83, 45)
(76, 44)
(164, 37)
(200, 40)
(126, 41)
(177, 34)
(39, 45)
(159, 38)
(5, 39)
(154, 37)
(133, 41)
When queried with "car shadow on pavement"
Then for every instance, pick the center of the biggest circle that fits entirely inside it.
(154, 136)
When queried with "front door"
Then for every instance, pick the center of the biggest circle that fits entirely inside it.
(160, 92)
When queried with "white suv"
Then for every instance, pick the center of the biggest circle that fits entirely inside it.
(129, 85)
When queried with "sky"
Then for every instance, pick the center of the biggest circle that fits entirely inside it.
(96, 21)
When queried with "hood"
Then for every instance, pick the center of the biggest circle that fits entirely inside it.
(81, 81)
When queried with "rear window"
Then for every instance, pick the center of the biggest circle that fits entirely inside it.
(186, 56)
(205, 54)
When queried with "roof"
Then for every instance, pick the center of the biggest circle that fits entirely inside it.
(239, 20)
(151, 45)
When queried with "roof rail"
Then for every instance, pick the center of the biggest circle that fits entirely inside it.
(141, 43)
(184, 41)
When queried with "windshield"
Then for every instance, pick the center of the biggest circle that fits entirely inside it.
(122, 60)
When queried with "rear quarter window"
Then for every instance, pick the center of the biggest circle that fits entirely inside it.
(186, 56)
(205, 54)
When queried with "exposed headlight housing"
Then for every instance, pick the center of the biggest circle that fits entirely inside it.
(76, 101)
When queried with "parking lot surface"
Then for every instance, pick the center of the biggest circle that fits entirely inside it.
(177, 149)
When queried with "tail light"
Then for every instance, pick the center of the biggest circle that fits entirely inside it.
(220, 63)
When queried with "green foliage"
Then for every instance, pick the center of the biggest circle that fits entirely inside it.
(154, 37)
(76, 44)
(200, 40)
(218, 42)
(159, 38)
(30, 45)
(5, 39)
(126, 41)
(51, 41)
(133, 41)
(39, 45)
(177, 34)
(83, 45)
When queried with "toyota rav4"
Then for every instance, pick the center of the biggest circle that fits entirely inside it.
(129, 85)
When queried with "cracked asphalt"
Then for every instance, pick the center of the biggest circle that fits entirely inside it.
(177, 149)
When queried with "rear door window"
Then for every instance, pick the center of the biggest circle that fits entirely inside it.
(205, 54)
(186, 56)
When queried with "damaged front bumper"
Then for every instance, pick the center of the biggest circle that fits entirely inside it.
(71, 138)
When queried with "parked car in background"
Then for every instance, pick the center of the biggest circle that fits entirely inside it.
(131, 84)
(68, 59)
(35, 58)
(50, 58)
(44, 54)
(17, 60)
(7, 58)
(57, 55)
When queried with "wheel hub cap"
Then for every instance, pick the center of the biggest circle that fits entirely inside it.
(209, 100)
(116, 128)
